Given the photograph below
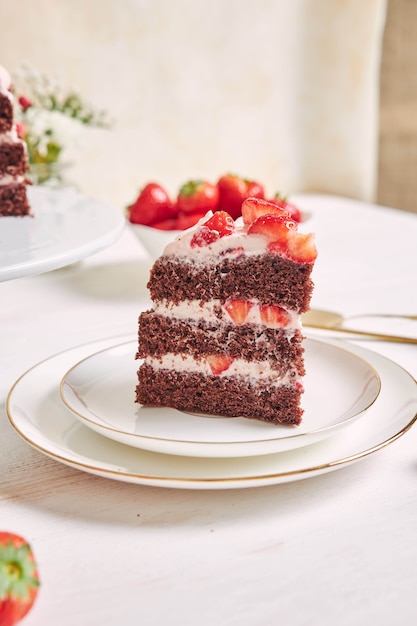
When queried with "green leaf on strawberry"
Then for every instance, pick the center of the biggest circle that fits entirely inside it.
(197, 196)
(19, 580)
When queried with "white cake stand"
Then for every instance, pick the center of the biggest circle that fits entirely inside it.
(66, 227)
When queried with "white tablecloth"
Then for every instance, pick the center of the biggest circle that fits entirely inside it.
(335, 549)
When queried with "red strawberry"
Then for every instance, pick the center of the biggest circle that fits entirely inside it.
(298, 247)
(252, 208)
(282, 202)
(24, 102)
(219, 363)
(198, 196)
(218, 225)
(238, 310)
(21, 130)
(272, 315)
(204, 237)
(185, 221)
(273, 227)
(233, 190)
(152, 205)
(255, 189)
(222, 222)
(19, 580)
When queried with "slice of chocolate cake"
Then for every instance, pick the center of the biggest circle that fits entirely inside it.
(224, 335)
(13, 156)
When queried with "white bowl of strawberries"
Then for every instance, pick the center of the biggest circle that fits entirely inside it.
(156, 219)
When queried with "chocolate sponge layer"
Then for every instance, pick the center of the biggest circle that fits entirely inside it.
(159, 334)
(13, 159)
(268, 278)
(6, 113)
(214, 395)
(13, 200)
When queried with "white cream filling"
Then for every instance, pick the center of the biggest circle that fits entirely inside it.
(256, 371)
(208, 311)
(10, 136)
(8, 179)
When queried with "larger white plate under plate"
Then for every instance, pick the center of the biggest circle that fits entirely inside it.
(66, 227)
(339, 387)
(36, 411)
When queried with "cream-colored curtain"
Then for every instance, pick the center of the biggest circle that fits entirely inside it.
(286, 92)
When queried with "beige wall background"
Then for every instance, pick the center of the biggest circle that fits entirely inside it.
(287, 92)
(397, 168)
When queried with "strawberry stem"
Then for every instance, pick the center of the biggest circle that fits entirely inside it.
(17, 571)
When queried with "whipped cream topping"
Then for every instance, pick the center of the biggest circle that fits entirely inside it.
(255, 371)
(229, 246)
(214, 311)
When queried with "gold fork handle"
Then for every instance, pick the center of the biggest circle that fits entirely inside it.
(391, 315)
(363, 333)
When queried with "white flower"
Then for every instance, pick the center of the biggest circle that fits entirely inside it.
(52, 126)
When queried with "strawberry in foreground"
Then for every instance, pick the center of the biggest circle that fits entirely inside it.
(152, 206)
(19, 580)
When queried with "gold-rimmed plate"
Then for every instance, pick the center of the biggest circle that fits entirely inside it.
(339, 388)
(36, 412)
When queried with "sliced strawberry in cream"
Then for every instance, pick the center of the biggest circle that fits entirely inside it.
(252, 208)
(273, 227)
(220, 224)
(298, 247)
(238, 310)
(274, 316)
(219, 363)
(293, 210)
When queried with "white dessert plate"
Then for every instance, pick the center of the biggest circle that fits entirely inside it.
(36, 412)
(66, 227)
(339, 387)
